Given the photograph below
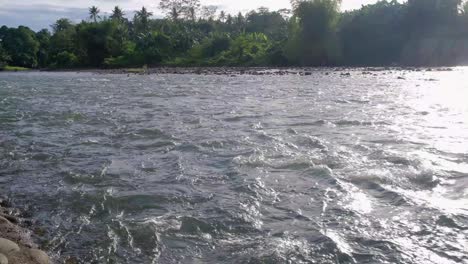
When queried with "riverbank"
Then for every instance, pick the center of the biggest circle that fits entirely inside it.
(16, 244)
(14, 69)
(238, 71)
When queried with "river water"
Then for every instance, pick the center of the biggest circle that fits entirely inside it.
(367, 168)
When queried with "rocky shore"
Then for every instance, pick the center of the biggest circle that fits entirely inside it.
(268, 71)
(16, 245)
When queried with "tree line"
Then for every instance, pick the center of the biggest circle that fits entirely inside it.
(311, 33)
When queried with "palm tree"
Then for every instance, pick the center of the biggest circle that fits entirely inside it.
(117, 14)
(61, 25)
(94, 13)
(142, 17)
(239, 19)
(222, 16)
(229, 19)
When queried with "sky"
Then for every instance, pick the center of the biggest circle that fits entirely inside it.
(38, 14)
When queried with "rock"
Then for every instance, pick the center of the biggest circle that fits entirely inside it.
(3, 259)
(39, 256)
(307, 73)
(4, 202)
(15, 233)
(401, 78)
(3, 220)
(8, 246)
(10, 218)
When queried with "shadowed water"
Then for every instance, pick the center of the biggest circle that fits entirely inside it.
(251, 169)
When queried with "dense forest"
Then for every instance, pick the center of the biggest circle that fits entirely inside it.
(311, 33)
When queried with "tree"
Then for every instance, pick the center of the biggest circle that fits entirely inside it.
(94, 13)
(175, 14)
(66, 60)
(43, 37)
(117, 14)
(270, 23)
(172, 8)
(222, 16)
(372, 35)
(153, 48)
(141, 19)
(285, 13)
(192, 14)
(210, 47)
(426, 16)
(229, 19)
(239, 22)
(92, 42)
(61, 25)
(190, 8)
(62, 40)
(176, 9)
(313, 32)
(21, 45)
(4, 57)
(246, 49)
(209, 12)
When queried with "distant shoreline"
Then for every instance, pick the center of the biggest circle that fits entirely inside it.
(234, 71)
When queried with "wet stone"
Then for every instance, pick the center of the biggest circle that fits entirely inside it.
(39, 256)
(3, 259)
(8, 246)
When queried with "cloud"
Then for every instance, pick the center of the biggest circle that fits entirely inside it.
(39, 16)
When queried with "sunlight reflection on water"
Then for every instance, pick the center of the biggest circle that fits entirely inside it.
(369, 168)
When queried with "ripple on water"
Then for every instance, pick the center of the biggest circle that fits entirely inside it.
(158, 169)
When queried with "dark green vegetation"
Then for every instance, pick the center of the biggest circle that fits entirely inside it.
(313, 33)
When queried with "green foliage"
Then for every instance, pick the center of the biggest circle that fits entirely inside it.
(14, 68)
(62, 24)
(66, 60)
(43, 37)
(117, 39)
(4, 57)
(126, 59)
(180, 9)
(313, 29)
(315, 33)
(212, 46)
(372, 35)
(248, 49)
(153, 48)
(271, 24)
(141, 20)
(63, 39)
(94, 13)
(427, 15)
(22, 46)
(91, 43)
(117, 14)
